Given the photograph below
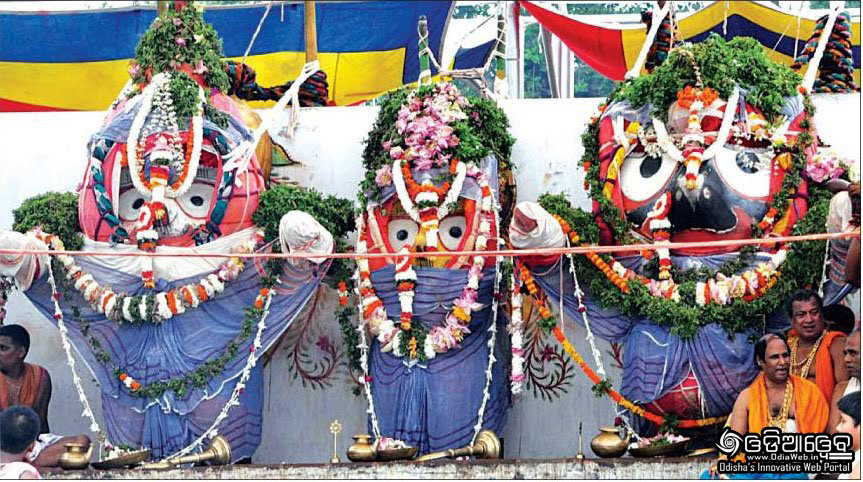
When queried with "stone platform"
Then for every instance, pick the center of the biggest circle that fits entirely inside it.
(623, 468)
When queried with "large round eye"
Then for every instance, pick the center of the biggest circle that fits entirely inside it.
(452, 230)
(402, 232)
(196, 201)
(130, 202)
(745, 171)
(643, 176)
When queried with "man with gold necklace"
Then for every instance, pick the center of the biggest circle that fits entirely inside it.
(816, 354)
(776, 398)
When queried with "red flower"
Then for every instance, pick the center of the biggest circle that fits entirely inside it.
(618, 421)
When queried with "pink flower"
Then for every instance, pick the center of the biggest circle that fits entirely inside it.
(180, 41)
(423, 163)
(176, 21)
(384, 176)
(134, 68)
(415, 104)
(387, 145)
(396, 152)
(401, 125)
(200, 68)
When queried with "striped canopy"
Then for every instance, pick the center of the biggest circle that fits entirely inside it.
(79, 60)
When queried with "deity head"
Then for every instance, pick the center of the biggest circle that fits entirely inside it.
(704, 167)
(422, 196)
(437, 174)
(172, 163)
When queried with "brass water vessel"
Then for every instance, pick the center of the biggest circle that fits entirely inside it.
(608, 443)
(75, 457)
(362, 450)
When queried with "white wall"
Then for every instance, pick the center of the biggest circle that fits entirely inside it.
(46, 151)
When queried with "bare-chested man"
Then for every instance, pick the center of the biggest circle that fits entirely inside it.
(852, 384)
(816, 354)
(30, 385)
(777, 398)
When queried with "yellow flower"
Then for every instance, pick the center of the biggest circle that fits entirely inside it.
(460, 314)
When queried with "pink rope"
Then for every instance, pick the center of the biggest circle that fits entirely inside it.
(504, 252)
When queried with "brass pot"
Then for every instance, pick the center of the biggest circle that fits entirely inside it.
(362, 449)
(75, 457)
(608, 443)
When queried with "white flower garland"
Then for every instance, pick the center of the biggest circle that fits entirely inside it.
(157, 92)
(492, 329)
(407, 202)
(438, 339)
(667, 145)
(597, 355)
(233, 401)
(364, 360)
(70, 360)
(516, 329)
(167, 304)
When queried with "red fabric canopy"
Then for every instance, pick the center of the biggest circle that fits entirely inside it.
(599, 47)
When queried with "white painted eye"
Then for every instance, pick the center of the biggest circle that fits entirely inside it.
(745, 171)
(643, 176)
(196, 201)
(129, 204)
(402, 232)
(452, 230)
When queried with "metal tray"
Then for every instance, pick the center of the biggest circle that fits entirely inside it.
(677, 448)
(387, 455)
(125, 460)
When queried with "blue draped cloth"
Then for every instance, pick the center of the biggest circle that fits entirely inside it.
(434, 405)
(171, 349)
(655, 360)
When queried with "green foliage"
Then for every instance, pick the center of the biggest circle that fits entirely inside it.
(602, 388)
(334, 214)
(484, 132)
(801, 268)
(159, 51)
(722, 64)
(492, 128)
(182, 385)
(349, 336)
(536, 84)
(56, 213)
(669, 425)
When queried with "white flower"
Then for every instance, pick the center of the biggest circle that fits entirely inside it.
(142, 307)
(428, 348)
(127, 308)
(777, 259)
(406, 300)
(395, 344)
(481, 242)
(218, 286)
(162, 307)
(208, 288)
(699, 294)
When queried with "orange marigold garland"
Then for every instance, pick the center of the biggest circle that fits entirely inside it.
(620, 399)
